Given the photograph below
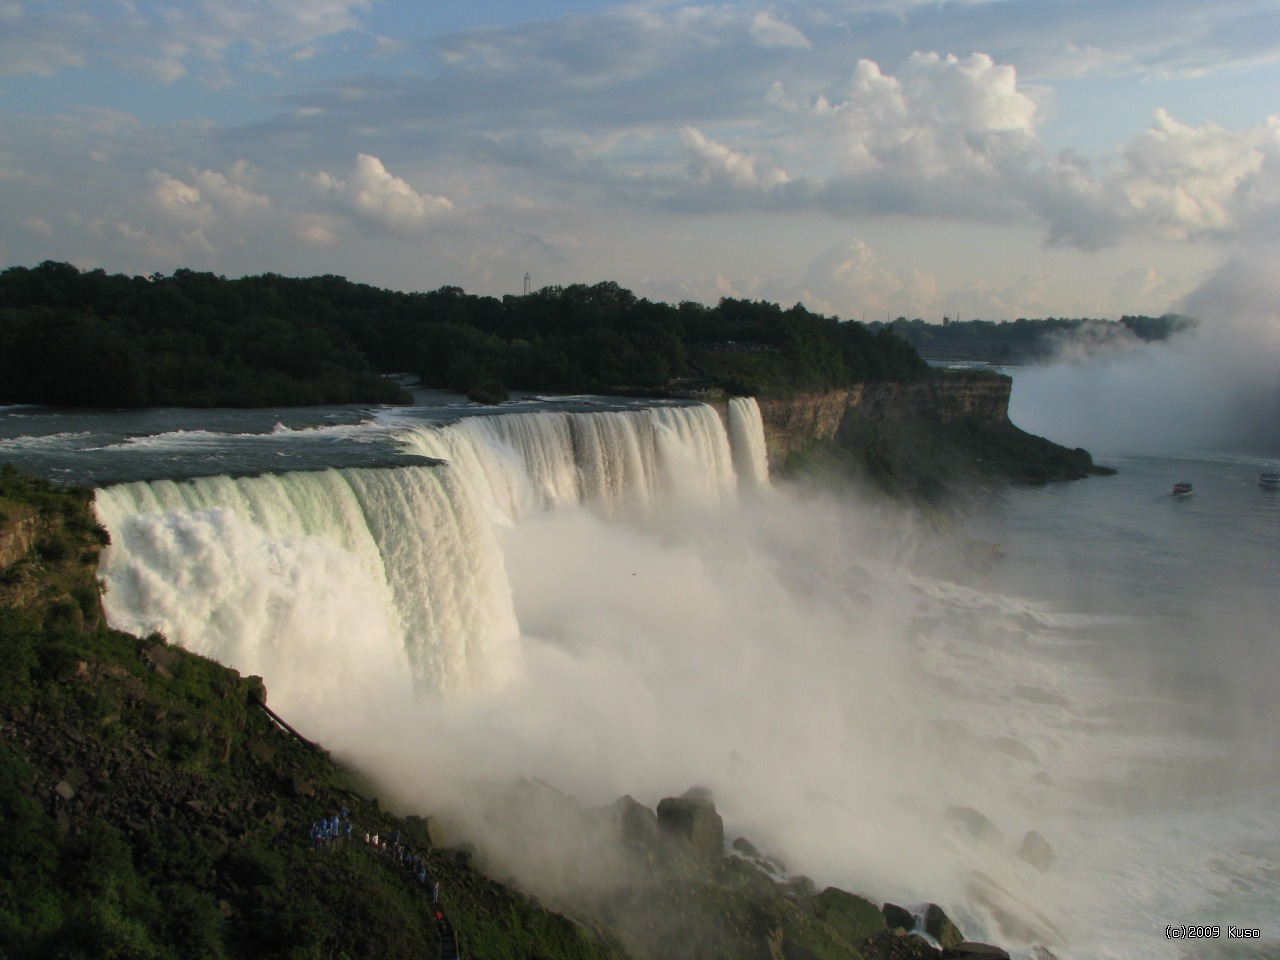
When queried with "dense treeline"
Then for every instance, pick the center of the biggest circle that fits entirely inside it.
(196, 339)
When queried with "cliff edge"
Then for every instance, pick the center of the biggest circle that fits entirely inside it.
(935, 440)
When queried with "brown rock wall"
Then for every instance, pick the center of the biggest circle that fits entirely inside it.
(16, 540)
(793, 423)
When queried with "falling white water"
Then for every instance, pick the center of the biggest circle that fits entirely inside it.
(746, 435)
(616, 463)
(361, 574)
(352, 571)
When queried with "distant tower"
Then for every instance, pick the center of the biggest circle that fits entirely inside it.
(526, 283)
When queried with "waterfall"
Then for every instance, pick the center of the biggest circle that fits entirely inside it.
(746, 436)
(391, 576)
(617, 463)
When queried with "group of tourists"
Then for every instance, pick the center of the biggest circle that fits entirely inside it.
(328, 832)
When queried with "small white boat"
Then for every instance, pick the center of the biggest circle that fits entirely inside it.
(1269, 480)
(1181, 490)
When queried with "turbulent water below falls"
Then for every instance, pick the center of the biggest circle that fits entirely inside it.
(617, 601)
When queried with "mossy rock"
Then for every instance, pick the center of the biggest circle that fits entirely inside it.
(851, 917)
(694, 820)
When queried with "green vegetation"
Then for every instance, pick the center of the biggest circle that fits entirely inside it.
(195, 339)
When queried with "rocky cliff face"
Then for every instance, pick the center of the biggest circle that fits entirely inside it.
(793, 423)
(17, 537)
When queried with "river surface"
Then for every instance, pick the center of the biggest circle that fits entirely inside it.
(1176, 612)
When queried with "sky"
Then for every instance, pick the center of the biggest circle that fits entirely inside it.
(869, 158)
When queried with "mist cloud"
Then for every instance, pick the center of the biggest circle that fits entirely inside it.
(1214, 389)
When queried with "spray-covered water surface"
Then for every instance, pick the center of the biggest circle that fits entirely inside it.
(616, 601)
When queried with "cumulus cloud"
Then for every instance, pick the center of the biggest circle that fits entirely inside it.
(715, 162)
(374, 194)
(231, 191)
(850, 281)
(179, 202)
(1186, 180)
(209, 196)
(959, 124)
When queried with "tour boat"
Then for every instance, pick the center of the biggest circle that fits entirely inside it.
(1181, 490)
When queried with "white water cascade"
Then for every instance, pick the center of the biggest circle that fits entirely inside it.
(393, 572)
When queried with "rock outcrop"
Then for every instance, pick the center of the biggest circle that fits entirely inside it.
(793, 423)
(693, 818)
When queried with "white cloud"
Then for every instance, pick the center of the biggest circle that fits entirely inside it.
(179, 202)
(944, 116)
(715, 162)
(316, 231)
(848, 280)
(231, 192)
(213, 25)
(1185, 180)
(770, 32)
(376, 195)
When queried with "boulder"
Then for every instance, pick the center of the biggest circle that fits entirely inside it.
(975, 951)
(635, 823)
(1036, 851)
(896, 917)
(976, 824)
(851, 917)
(939, 926)
(694, 820)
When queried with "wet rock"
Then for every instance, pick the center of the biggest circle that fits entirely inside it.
(635, 823)
(694, 820)
(977, 824)
(975, 950)
(854, 918)
(800, 886)
(1012, 747)
(939, 926)
(890, 945)
(896, 917)
(1036, 851)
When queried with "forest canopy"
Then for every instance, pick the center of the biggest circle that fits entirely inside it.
(87, 338)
